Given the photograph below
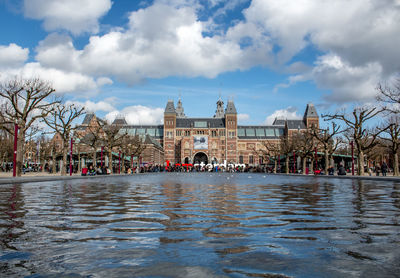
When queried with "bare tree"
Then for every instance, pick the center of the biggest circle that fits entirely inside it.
(132, 146)
(26, 101)
(287, 146)
(364, 138)
(390, 95)
(113, 137)
(93, 139)
(305, 144)
(271, 149)
(60, 119)
(327, 140)
(393, 141)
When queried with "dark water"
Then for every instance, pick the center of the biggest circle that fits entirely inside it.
(201, 225)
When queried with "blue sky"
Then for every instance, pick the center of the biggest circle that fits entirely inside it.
(272, 57)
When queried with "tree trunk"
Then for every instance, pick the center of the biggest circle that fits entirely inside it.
(396, 164)
(312, 165)
(275, 165)
(20, 152)
(54, 161)
(79, 161)
(94, 158)
(65, 153)
(360, 163)
(123, 163)
(304, 164)
(287, 164)
(326, 162)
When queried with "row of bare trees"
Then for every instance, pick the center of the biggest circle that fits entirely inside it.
(360, 126)
(28, 103)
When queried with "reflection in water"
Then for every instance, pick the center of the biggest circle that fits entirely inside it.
(201, 225)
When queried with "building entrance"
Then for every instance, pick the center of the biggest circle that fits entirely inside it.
(199, 158)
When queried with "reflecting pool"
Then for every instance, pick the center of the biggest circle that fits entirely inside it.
(201, 225)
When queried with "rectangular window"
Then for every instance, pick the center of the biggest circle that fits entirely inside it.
(250, 132)
(151, 131)
(200, 124)
(269, 132)
(251, 159)
(140, 131)
(159, 132)
(279, 132)
(260, 132)
(241, 132)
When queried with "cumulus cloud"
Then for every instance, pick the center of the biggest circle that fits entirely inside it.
(243, 118)
(139, 115)
(287, 113)
(76, 16)
(12, 55)
(161, 40)
(346, 82)
(106, 106)
(358, 40)
(62, 81)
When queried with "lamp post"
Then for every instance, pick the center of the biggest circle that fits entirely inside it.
(316, 159)
(70, 157)
(101, 156)
(15, 149)
(119, 162)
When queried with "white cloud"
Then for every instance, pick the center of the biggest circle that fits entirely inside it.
(62, 81)
(139, 115)
(243, 118)
(346, 82)
(161, 40)
(12, 55)
(287, 113)
(107, 105)
(76, 16)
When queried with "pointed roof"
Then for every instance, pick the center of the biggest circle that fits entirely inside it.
(230, 108)
(170, 108)
(310, 112)
(88, 118)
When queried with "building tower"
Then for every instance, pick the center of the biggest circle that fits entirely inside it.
(231, 132)
(219, 113)
(169, 131)
(311, 119)
(179, 110)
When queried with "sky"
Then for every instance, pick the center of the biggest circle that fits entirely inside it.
(124, 57)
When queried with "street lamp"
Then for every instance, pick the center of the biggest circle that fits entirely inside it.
(15, 149)
(70, 158)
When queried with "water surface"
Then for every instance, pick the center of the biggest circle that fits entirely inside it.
(201, 225)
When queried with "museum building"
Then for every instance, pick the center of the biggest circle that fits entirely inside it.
(219, 138)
